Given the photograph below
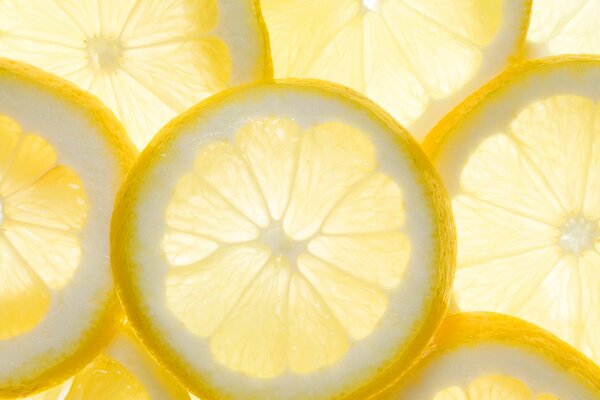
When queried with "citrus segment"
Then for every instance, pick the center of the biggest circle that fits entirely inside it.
(492, 387)
(523, 187)
(106, 377)
(203, 293)
(286, 245)
(416, 59)
(56, 295)
(147, 61)
(488, 356)
(24, 296)
(40, 232)
(563, 27)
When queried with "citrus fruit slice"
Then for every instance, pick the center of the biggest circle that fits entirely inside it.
(62, 158)
(122, 371)
(283, 240)
(415, 58)
(487, 356)
(147, 60)
(563, 27)
(521, 161)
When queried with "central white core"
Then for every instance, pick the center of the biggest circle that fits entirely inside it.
(281, 244)
(578, 235)
(372, 5)
(104, 54)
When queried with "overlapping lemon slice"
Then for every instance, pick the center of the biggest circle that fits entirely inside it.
(148, 60)
(521, 160)
(123, 371)
(415, 58)
(284, 240)
(487, 356)
(62, 158)
(563, 27)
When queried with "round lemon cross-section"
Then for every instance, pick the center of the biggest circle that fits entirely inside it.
(292, 275)
(521, 163)
(284, 240)
(62, 158)
(146, 60)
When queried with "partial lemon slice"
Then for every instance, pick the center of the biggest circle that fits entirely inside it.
(563, 27)
(147, 60)
(487, 356)
(284, 240)
(62, 158)
(415, 58)
(521, 161)
(123, 371)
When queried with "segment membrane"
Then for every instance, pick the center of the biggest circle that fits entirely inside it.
(333, 157)
(297, 305)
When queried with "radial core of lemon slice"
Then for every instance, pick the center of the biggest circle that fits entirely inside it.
(147, 60)
(415, 58)
(284, 240)
(62, 157)
(563, 27)
(521, 161)
(487, 356)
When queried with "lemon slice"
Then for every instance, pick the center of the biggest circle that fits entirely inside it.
(122, 371)
(521, 159)
(563, 27)
(62, 158)
(146, 60)
(487, 356)
(415, 58)
(283, 240)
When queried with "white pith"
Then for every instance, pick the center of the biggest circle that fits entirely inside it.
(462, 366)
(74, 309)
(406, 303)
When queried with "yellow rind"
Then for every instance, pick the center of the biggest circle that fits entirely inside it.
(448, 128)
(123, 228)
(478, 328)
(267, 72)
(112, 131)
(520, 52)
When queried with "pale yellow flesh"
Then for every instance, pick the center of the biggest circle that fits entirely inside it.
(147, 60)
(527, 215)
(404, 54)
(104, 378)
(284, 245)
(492, 387)
(43, 208)
(564, 27)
